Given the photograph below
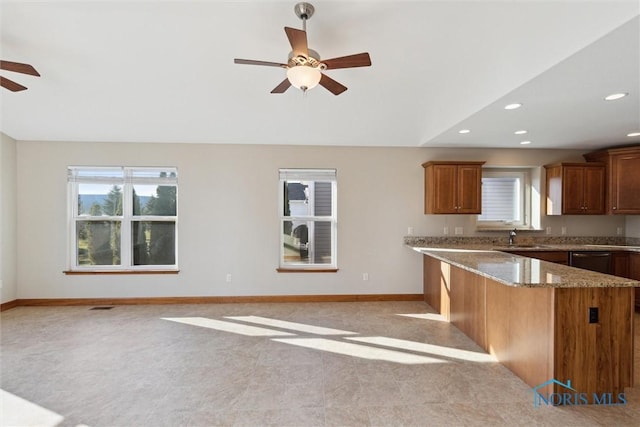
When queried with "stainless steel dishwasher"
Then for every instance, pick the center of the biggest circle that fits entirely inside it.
(591, 260)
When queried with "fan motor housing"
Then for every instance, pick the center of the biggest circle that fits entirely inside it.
(311, 61)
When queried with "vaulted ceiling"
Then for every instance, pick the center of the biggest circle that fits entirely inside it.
(163, 71)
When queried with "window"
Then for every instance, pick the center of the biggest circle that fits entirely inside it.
(308, 219)
(123, 218)
(510, 197)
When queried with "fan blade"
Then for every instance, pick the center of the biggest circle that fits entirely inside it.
(298, 40)
(282, 87)
(252, 62)
(18, 67)
(331, 85)
(351, 61)
(11, 85)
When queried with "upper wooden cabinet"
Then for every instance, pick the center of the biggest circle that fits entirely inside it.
(452, 187)
(623, 178)
(576, 189)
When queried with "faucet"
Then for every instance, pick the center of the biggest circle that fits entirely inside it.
(512, 236)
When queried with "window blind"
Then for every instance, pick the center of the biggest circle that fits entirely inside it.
(500, 199)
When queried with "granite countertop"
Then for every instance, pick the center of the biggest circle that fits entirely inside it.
(488, 260)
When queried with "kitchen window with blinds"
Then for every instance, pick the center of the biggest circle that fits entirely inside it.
(123, 219)
(308, 219)
(505, 198)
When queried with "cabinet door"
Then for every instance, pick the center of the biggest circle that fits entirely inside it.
(634, 273)
(625, 185)
(594, 190)
(444, 189)
(469, 189)
(573, 190)
(620, 264)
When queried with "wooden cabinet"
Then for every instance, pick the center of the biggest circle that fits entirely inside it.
(622, 178)
(620, 264)
(634, 273)
(452, 187)
(575, 189)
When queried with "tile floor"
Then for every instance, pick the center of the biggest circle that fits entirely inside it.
(313, 364)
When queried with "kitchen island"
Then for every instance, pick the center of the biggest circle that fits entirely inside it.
(546, 322)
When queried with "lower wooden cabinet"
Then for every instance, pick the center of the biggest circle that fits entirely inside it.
(634, 273)
(620, 264)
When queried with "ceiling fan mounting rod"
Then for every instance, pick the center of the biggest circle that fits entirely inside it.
(304, 11)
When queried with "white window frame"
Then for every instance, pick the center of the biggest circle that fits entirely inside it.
(529, 198)
(127, 218)
(314, 175)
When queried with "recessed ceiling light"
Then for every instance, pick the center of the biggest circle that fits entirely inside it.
(520, 132)
(512, 106)
(464, 131)
(615, 96)
(525, 143)
(634, 134)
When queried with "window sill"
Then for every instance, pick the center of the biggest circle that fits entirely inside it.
(307, 270)
(93, 272)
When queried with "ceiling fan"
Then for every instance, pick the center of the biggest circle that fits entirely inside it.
(304, 68)
(16, 67)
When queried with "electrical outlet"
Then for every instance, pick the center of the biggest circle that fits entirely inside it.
(365, 276)
(564, 230)
(593, 314)
(619, 231)
(228, 278)
(459, 230)
(445, 231)
(548, 230)
(410, 231)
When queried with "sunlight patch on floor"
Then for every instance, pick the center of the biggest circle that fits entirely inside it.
(236, 328)
(441, 351)
(425, 316)
(300, 327)
(362, 351)
(16, 411)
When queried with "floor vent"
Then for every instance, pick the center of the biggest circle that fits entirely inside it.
(102, 307)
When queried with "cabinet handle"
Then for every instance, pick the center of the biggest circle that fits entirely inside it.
(614, 208)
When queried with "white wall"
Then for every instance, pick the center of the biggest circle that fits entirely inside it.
(8, 239)
(228, 219)
(228, 216)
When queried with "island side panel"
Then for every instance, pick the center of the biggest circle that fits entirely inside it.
(596, 357)
(431, 281)
(467, 305)
(436, 278)
(520, 328)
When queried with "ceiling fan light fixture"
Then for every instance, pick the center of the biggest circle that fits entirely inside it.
(304, 77)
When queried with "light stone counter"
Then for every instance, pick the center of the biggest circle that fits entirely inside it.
(486, 259)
